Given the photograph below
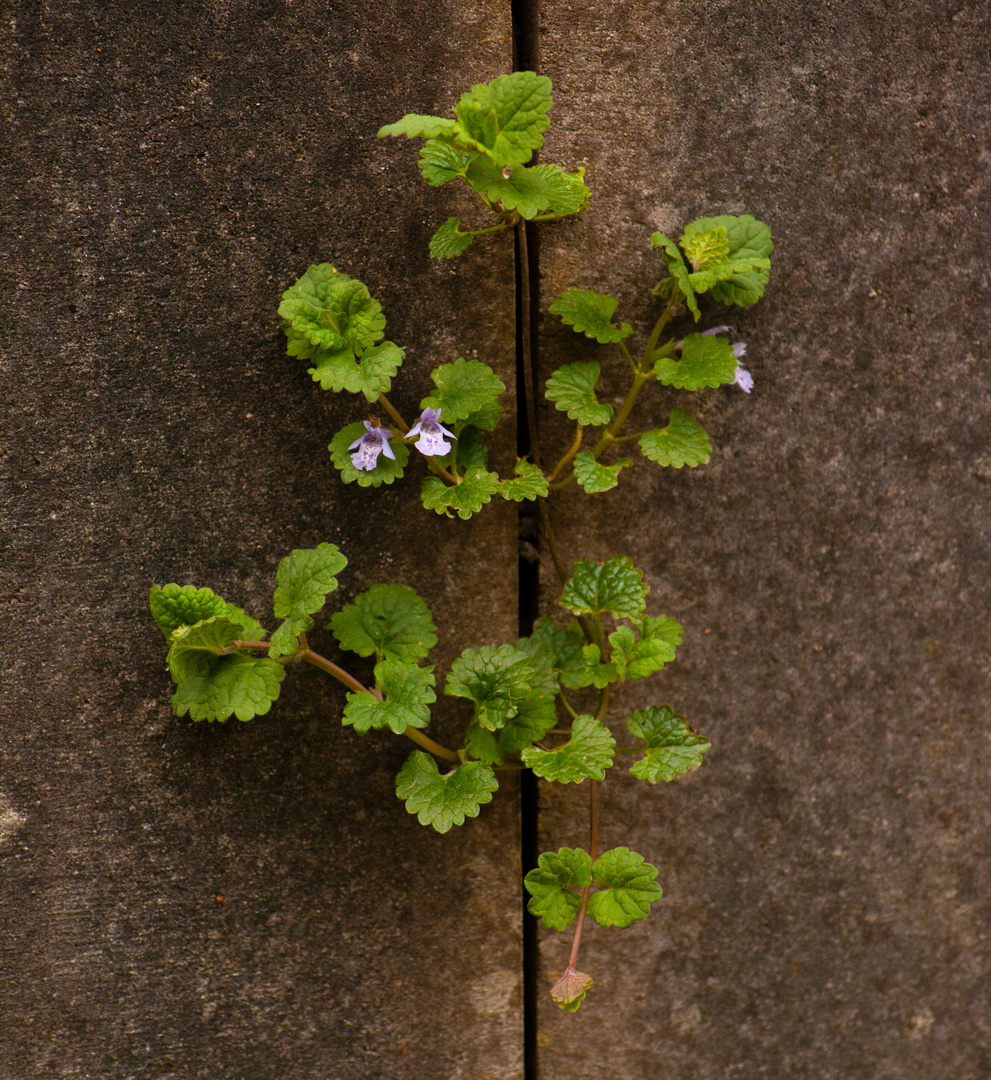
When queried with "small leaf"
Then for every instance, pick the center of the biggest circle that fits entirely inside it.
(570, 990)
(417, 126)
(440, 163)
(594, 672)
(637, 656)
(234, 684)
(407, 690)
(476, 488)
(391, 621)
(552, 883)
(528, 484)
(572, 389)
(672, 747)
(497, 680)
(706, 360)
(530, 190)
(594, 477)
(305, 578)
(749, 244)
(682, 442)
(564, 645)
(463, 388)
(504, 119)
(677, 269)
(705, 247)
(588, 753)
(386, 470)
(173, 606)
(371, 374)
(449, 241)
(630, 888)
(443, 801)
(483, 744)
(535, 716)
(615, 586)
(590, 313)
(195, 648)
(327, 310)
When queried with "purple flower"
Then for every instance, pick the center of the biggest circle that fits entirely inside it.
(370, 445)
(431, 441)
(744, 380)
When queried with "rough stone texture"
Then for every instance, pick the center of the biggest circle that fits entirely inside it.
(826, 872)
(233, 900)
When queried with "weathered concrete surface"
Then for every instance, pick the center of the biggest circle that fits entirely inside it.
(250, 900)
(826, 872)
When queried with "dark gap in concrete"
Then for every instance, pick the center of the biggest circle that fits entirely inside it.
(524, 16)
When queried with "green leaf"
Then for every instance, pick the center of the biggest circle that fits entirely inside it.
(463, 388)
(544, 676)
(449, 241)
(326, 309)
(677, 269)
(531, 190)
(552, 883)
(443, 801)
(504, 119)
(615, 586)
(370, 375)
(534, 717)
(706, 360)
(173, 606)
(483, 744)
(572, 389)
(630, 888)
(497, 680)
(470, 449)
(638, 655)
(391, 621)
(417, 126)
(672, 747)
(195, 648)
(440, 163)
(590, 313)
(588, 753)
(750, 248)
(594, 672)
(594, 477)
(408, 692)
(385, 471)
(705, 247)
(682, 442)
(564, 644)
(236, 684)
(304, 579)
(529, 483)
(476, 488)
(486, 418)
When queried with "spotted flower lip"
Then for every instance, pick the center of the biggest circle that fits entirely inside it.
(375, 441)
(431, 441)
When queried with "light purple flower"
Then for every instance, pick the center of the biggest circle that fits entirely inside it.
(375, 441)
(431, 441)
(744, 380)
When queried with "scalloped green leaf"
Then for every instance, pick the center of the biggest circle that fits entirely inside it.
(386, 470)
(530, 190)
(706, 360)
(683, 442)
(440, 163)
(463, 388)
(326, 309)
(629, 888)
(641, 652)
(615, 586)
(370, 375)
(504, 119)
(572, 389)
(677, 269)
(448, 241)
(444, 800)
(408, 693)
(671, 746)
(496, 679)
(587, 754)
(305, 578)
(750, 248)
(594, 477)
(564, 645)
(418, 126)
(173, 606)
(590, 313)
(705, 247)
(594, 672)
(552, 886)
(390, 621)
(476, 488)
(195, 648)
(529, 483)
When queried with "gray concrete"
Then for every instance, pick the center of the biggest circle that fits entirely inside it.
(826, 872)
(247, 900)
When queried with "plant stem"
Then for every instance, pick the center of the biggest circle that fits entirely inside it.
(593, 843)
(391, 410)
(575, 446)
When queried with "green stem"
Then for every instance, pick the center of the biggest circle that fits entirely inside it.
(629, 359)
(490, 228)
(609, 435)
(575, 446)
(391, 410)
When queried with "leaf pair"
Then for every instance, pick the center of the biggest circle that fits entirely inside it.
(333, 321)
(628, 887)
